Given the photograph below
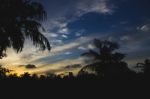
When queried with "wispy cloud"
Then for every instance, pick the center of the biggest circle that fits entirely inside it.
(65, 36)
(80, 33)
(82, 48)
(51, 35)
(99, 6)
(69, 46)
(68, 53)
(125, 38)
(64, 30)
(86, 47)
(144, 28)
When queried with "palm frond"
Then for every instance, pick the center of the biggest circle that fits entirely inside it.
(97, 43)
(118, 56)
(20, 20)
(113, 46)
(32, 32)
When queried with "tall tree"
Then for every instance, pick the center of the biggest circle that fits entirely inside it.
(20, 20)
(106, 61)
(105, 52)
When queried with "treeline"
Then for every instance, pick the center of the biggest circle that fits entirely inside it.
(144, 74)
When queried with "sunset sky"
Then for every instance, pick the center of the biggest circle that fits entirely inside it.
(71, 26)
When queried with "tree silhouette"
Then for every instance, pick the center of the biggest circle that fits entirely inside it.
(19, 20)
(13, 76)
(145, 67)
(35, 77)
(3, 72)
(105, 52)
(106, 61)
(26, 76)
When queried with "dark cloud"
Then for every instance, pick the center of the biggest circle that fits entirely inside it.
(73, 66)
(29, 66)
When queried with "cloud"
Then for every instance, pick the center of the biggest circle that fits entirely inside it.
(68, 53)
(80, 32)
(82, 48)
(65, 36)
(125, 38)
(99, 6)
(60, 13)
(12, 58)
(42, 57)
(144, 28)
(74, 66)
(50, 35)
(63, 31)
(30, 66)
(60, 25)
(53, 35)
(87, 47)
(32, 55)
(72, 45)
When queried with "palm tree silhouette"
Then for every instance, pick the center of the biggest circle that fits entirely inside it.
(105, 52)
(105, 60)
(20, 20)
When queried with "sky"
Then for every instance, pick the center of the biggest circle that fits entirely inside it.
(72, 25)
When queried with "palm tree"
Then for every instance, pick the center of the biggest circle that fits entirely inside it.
(105, 52)
(105, 59)
(20, 20)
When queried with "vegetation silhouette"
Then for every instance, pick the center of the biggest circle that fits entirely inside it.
(145, 68)
(20, 20)
(3, 72)
(117, 74)
(106, 61)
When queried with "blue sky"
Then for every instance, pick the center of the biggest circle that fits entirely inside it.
(71, 26)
